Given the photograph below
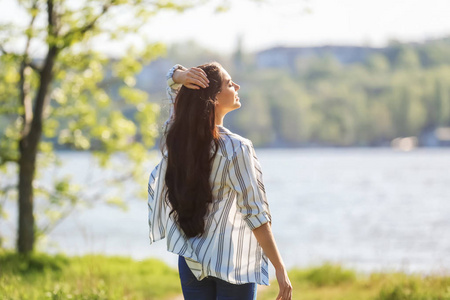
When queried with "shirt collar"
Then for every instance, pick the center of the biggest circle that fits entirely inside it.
(223, 129)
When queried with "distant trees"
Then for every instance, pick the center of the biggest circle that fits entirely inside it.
(402, 90)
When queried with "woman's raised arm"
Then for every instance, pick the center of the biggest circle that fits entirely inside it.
(193, 78)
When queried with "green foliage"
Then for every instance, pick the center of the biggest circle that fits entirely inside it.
(90, 102)
(336, 283)
(404, 287)
(325, 275)
(397, 92)
(259, 130)
(42, 276)
(15, 263)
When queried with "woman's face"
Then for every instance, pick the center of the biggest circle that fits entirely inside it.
(227, 99)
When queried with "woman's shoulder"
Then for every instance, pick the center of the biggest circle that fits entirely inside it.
(230, 143)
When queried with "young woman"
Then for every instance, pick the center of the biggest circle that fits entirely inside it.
(207, 196)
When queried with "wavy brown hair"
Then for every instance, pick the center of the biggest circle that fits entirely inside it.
(189, 141)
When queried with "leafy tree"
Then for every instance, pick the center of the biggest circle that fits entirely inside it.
(408, 59)
(259, 128)
(436, 53)
(378, 63)
(442, 96)
(293, 105)
(65, 97)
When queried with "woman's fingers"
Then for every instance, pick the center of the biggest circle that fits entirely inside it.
(285, 294)
(198, 77)
(195, 78)
(285, 285)
(288, 291)
(199, 82)
(202, 73)
(192, 86)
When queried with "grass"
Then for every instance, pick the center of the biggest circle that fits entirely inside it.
(43, 276)
(333, 282)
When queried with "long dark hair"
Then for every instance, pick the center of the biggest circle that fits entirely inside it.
(189, 141)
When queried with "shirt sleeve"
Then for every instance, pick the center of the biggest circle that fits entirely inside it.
(247, 181)
(171, 92)
(157, 211)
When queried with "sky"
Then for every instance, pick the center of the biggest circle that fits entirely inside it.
(269, 23)
(287, 23)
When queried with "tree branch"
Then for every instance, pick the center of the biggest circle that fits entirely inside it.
(50, 17)
(7, 188)
(46, 76)
(111, 181)
(96, 197)
(82, 30)
(24, 85)
(34, 67)
(51, 193)
(25, 99)
(3, 50)
(4, 159)
(50, 226)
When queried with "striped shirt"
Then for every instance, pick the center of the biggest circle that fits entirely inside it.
(228, 249)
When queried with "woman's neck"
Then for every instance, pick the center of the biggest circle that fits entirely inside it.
(219, 120)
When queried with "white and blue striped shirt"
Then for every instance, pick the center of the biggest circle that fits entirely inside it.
(228, 249)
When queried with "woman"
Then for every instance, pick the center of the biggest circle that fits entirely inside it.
(207, 194)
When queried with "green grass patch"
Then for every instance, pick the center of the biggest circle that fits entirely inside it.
(414, 287)
(325, 275)
(332, 282)
(43, 276)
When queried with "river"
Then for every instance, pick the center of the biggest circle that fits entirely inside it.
(367, 209)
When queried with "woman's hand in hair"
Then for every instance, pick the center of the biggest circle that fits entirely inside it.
(193, 78)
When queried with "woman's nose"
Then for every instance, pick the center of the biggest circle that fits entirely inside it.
(237, 86)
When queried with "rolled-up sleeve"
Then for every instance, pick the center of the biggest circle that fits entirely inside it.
(247, 181)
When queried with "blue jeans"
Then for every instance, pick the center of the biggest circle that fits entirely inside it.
(212, 288)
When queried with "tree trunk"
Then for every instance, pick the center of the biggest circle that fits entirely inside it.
(27, 161)
(28, 146)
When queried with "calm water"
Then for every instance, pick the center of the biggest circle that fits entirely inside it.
(368, 209)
